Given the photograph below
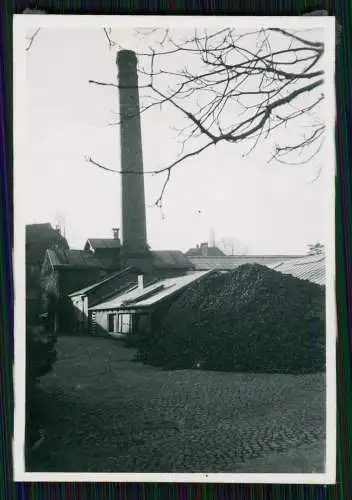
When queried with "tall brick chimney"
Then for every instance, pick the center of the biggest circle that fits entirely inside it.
(134, 233)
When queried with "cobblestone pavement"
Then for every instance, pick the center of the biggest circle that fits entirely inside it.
(107, 413)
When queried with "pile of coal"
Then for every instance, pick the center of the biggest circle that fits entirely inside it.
(252, 319)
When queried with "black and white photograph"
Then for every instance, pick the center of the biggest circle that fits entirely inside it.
(174, 262)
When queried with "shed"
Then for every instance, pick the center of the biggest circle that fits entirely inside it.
(89, 296)
(141, 307)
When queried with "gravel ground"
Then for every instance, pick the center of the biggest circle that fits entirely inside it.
(104, 412)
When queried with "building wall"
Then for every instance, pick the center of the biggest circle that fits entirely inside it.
(100, 326)
(80, 313)
(50, 297)
(108, 253)
(76, 278)
(69, 281)
(33, 294)
(155, 314)
(144, 261)
(39, 237)
(56, 285)
(123, 322)
(50, 288)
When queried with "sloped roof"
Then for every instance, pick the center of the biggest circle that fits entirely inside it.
(128, 270)
(209, 252)
(150, 294)
(104, 243)
(78, 259)
(162, 259)
(233, 261)
(311, 268)
(174, 259)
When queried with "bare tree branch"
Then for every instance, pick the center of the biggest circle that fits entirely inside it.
(158, 202)
(317, 176)
(107, 84)
(167, 169)
(31, 39)
(111, 43)
(295, 37)
(231, 86)
(103, 84)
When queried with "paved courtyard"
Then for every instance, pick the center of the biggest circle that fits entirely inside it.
(105, 412)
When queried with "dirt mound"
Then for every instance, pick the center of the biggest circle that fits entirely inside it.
(250, 319)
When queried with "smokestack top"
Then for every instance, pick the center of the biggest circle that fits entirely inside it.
(127, 69)
(126, 57)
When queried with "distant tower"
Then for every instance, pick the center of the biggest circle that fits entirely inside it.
(134, 233)
(212, 237)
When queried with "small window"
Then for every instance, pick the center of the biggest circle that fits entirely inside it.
(124, 323)
(111, 322)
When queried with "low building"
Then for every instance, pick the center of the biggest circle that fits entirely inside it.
(85, 298)
(69, 271)
(141, 307)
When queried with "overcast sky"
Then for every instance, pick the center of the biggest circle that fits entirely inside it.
(271, 208)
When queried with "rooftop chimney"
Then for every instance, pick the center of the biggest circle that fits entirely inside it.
(204, 249)
(116, 233)
(140, 281)
(133, 200)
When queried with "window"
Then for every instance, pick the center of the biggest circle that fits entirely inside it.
(111, 322)
(124, 323)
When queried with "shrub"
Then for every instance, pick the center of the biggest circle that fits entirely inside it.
(41, 355)
(251, 319)
(41, 352)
